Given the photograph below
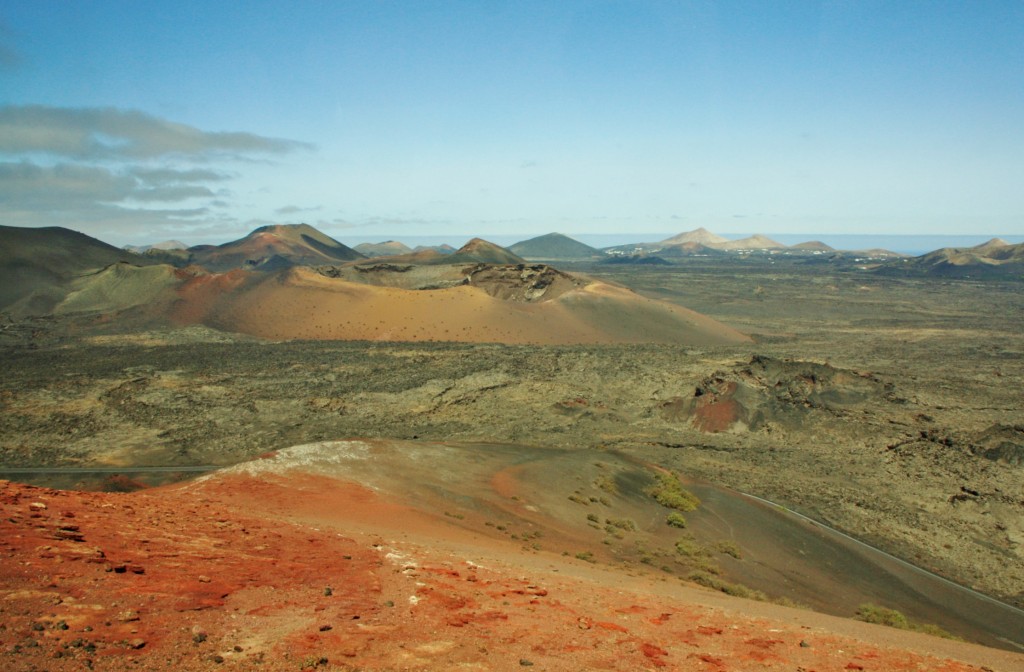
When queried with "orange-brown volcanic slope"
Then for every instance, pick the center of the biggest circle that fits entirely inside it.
(296, 243)
(299, 303)
(299, 571)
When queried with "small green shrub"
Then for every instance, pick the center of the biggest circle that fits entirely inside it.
(935, 631)
(676, 519)
(690, 548)
(716, 583)
(615, 532)
(872, 613)
(670, 493)
(703, 564)
(729, 548)
(621, 523)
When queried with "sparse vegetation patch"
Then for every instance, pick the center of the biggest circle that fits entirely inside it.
(579, 499)
(719, 584)
(872, 613)
(690, 548)
(729, 548)
(670, 493)
(606, 482)
(676, 519)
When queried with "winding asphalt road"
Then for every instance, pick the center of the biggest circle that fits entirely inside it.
(787, 553)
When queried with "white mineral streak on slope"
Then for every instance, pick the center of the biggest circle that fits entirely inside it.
(319, 456)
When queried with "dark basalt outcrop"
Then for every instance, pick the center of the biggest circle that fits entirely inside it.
(778, 392)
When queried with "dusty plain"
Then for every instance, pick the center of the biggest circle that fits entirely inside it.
(888, 408)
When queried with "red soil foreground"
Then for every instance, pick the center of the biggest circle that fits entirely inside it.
(306, 572)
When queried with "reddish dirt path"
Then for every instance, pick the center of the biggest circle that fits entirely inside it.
(301, 572)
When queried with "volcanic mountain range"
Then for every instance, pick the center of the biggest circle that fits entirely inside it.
(293, 281)
(703, 243)
(287, 282)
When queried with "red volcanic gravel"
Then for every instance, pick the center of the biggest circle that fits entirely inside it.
(302, 572)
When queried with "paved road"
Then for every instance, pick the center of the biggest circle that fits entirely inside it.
(786, 553)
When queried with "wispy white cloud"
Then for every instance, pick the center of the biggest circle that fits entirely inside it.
(105, 133)
(118, 172)
(26, 185)
(70, 186)
(295, 209)
(165, 176)
(170, 194)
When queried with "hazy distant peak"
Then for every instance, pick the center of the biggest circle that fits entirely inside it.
(169, 245)
(990, 245)
(815, 245)
(755, 242)
(701, 235)
(443, 248)
(553, 246)
(163, 245)
(388, 248)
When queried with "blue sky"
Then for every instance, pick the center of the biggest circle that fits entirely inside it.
(143, 121)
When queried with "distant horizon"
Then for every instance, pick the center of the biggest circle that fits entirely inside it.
(914, 244)
(910, 244)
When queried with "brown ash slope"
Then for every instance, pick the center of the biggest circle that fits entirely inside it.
(478, 303)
